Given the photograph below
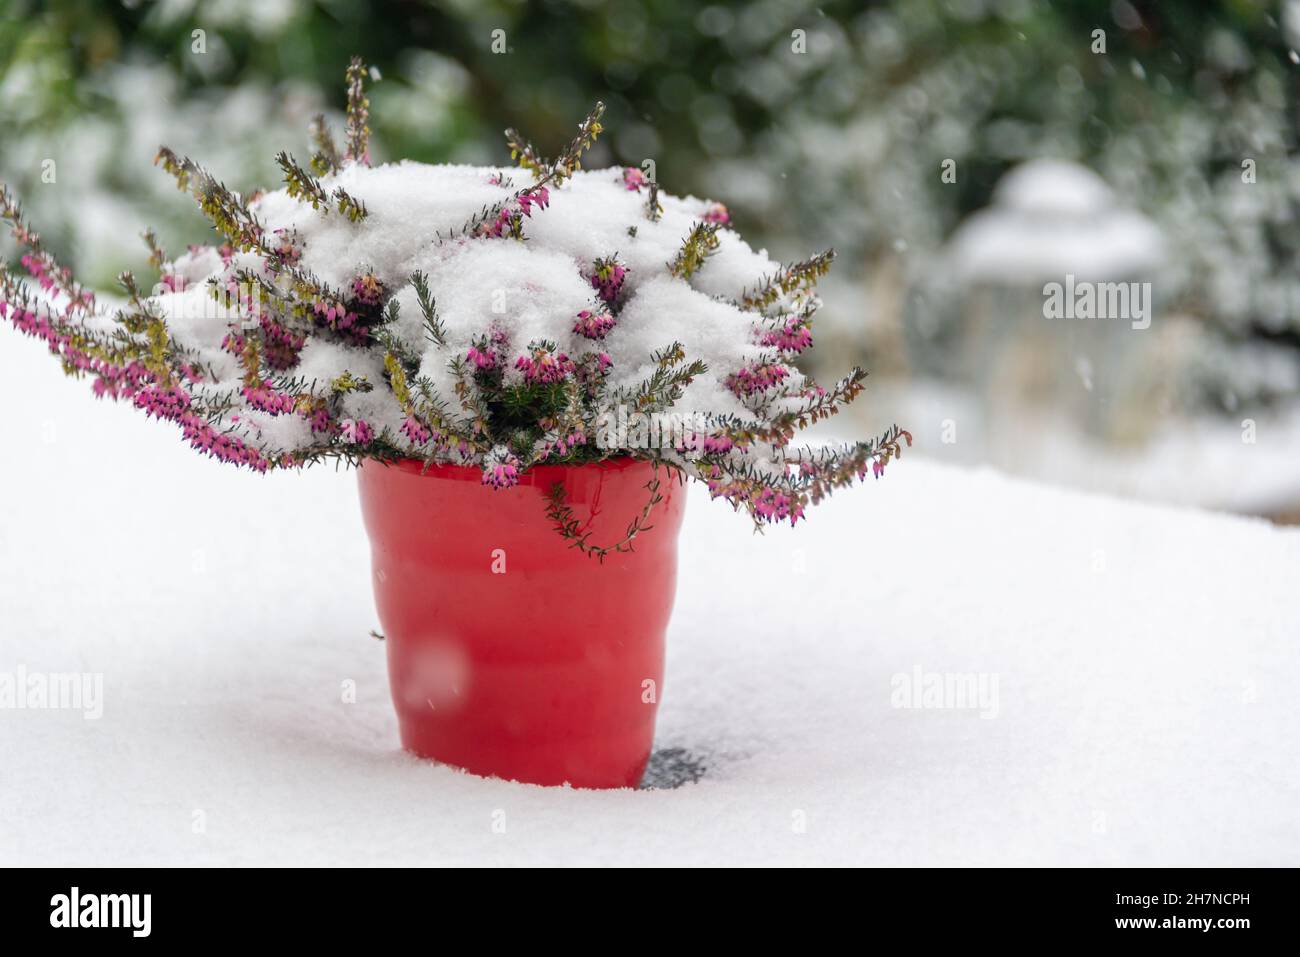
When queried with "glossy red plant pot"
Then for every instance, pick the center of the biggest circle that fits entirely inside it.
(510, 653)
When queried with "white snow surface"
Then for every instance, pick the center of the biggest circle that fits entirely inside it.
(1146, 660)
(1194, 460)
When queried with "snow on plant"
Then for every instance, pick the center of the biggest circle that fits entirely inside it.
(462, 315)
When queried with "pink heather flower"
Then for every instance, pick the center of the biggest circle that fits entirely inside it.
(224, 448)
(324, 309)
(501, 470)
(757, 378)
(512, 213)
(562, 445)
(767, 504)
(368, 290)
(268, 400)
(544, 366)
(593, 325)
(416, 431)
(793, 335)
(608, 278)
(48, 276)
(592, 366)
(159, 403)
(633, 179)
(283, 248)
(717, 213)
(115, 382)
(280, 346)
(773, 506)
(539, 197)
(319, 419)
(485, 359)
(504, 225)
(357, 432)
(708, 444)
(335, 315)
(32, 324)
(37, 269)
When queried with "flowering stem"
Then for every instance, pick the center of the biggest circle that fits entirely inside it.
(568, 526)
(358, 125)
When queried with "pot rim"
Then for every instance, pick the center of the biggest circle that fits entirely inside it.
(534, 476)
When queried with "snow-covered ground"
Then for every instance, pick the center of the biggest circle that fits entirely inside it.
(1210, 462)
(1145, 661)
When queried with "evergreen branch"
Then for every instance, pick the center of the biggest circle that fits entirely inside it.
(326, 158)
(817, 405)
(567, 525)
(667, 383)
(352, 208)
(700, 243)
(570, 159)
(227, 211)
(126, 279)
(433, 327)
(426, 405)
(523, 153)
(393, 346)
(140, 351)
(654, 209)
(310, 290)
(358, 123)
(768, 495)
(40, 263)
(348, 383)
(797, 277)
(506, 218)
(157, 258)
(300, 184)
(180, 169)
(469, 396)
(392, 311)
(476, 224)
(397, 380)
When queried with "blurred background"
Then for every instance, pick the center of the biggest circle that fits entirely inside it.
(958, 154)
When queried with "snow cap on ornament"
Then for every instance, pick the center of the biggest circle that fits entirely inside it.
(1050, 218)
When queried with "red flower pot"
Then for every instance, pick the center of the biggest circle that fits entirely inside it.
(511, 653)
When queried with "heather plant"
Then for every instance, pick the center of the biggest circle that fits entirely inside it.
(495, 318)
